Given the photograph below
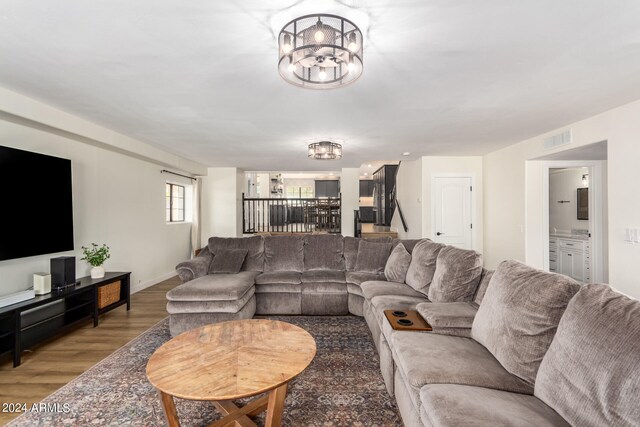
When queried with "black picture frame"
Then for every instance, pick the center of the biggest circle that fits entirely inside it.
(583, 204)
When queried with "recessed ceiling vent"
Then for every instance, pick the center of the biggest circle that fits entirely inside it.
(557, 140)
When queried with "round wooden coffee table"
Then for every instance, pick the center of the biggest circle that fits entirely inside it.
(231, 360)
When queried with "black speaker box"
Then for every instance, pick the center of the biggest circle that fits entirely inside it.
(63, 271)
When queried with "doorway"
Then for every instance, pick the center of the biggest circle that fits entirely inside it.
(452, 210)
(574, 219)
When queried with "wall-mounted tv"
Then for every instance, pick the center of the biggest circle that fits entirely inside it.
(36, 208)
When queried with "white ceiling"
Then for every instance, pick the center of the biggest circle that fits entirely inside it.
(199, 78)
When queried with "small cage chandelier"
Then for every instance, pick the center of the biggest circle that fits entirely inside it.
(325, 150)
(320, 51)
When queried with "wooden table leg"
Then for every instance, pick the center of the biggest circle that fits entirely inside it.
(234, 416)
(275, 406)
(169, 408)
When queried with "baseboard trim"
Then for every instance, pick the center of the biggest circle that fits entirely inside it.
(137, 287)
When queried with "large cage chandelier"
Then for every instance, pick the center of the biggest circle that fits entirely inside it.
(325, 150)
(320, 51)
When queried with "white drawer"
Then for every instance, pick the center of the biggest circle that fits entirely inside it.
(571, 244)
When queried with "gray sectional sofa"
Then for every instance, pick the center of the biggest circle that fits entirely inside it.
(297, 274)
(510, 347)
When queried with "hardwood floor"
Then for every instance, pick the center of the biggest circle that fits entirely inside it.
(53, 364)
(371, 230)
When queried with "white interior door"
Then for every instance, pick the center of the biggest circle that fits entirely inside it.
(452, 211)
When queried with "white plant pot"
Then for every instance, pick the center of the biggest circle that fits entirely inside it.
(97, 272)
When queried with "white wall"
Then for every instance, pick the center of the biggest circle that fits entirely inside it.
(472, 166)
(118, 200)
(409, 196)
(222, 203)
(350, 189)
(562, 186)
(20, 109)
(513, 192)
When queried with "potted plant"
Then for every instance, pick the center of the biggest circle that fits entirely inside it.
(96, 256)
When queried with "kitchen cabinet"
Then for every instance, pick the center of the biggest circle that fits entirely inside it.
(367, 214)
(571, 257)
(572, 264)
(384, 182)
(327, 188)
(366, 188)
(553, 254)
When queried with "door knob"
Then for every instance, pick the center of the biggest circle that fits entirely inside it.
(439, 233)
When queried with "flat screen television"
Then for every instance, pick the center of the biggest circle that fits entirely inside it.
(36, 208)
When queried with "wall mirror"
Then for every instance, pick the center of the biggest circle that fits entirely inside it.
(583, 203)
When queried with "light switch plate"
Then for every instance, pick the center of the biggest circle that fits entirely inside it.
(632, 235)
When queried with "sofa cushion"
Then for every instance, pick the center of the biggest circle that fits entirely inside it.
(228, 262)
(324, 288)
(323, 276)
(423, 265)
(214, 287)
(426, 358)
(359, 277)
(283, 253)
(591, 373)
(354, 289)
(482, 287)
(397, 264)
(457, 275)
(206, 306)
(448, 314)
(376, 288)
(323, 252)
(254, 261)
(519, 315)
(408, 244)
(196, 267)
(278, 288)
(372, 256)
(286, 277)
(450, 405)
(351, 245)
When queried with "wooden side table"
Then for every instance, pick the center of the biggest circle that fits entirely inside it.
(231, 360)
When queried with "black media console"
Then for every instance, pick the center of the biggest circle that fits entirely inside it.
(30, 322)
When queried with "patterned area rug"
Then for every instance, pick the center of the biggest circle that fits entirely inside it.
(342, 387)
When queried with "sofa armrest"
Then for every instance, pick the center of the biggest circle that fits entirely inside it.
(194, 268)
(449, 318)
